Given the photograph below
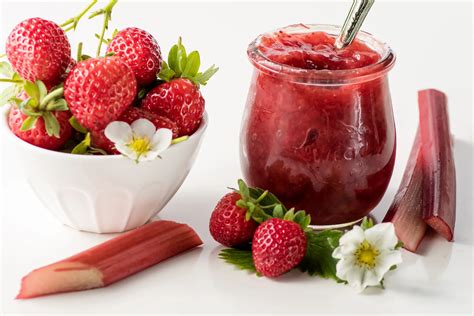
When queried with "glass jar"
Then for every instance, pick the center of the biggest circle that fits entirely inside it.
(321, 140)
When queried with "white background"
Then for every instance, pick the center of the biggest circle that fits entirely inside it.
(433, 42)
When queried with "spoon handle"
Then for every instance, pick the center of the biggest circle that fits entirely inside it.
(354, 20)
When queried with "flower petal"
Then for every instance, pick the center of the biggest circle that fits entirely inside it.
(118, 132)
(161, 140)
(126, 151)
(343, 266)
(353, 237)
(385, 261)
(382, 236)
(143, 128)
(148, 156)
(369, 279)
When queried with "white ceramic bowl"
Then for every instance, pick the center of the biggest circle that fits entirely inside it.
(103, 194)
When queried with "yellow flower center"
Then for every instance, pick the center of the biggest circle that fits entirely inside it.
(366, 255)
(140, 145)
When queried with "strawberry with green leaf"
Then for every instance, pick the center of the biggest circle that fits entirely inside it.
(179, 97)
(40, 118)
(282, 241)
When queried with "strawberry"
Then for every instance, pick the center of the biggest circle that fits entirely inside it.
(40, 118)
(38, 135)
(278, 246)
(228, 224)
(99, 90)
(130, 115)
(179, 98)
(140, 50)
(39, 50)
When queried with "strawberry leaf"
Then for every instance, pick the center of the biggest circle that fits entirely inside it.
(42, 90)
(77, 126)
(83, 146)
(6, 69)
(57, 105)
(366, 223)
(166, 73)
(32, 90)
(192, 65)
(278, 211)
(318, 259)
(202, 78)
(29, 123)
(241, 259)
(51, 124)
(8, 94)
(173, 58)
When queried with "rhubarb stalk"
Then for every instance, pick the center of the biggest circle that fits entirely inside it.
(439, 175)
(112, 260)
(406, 210)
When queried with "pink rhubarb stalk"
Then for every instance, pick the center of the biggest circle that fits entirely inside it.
(439, 175)
(406, 210)
(112, 260)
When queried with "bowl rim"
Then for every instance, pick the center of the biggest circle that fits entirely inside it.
(57, 154)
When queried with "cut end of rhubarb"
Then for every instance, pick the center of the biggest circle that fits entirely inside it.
(441, 227)
(59, 277)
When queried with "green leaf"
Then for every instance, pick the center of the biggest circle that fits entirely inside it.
(6, 69)
(243, 190)
(366, 223)
(32, 90)
(269, 200)
(29, 123)
(173, 58)
(83, 146)
(241, 259)
(289, 215)
(192, 65)
(57, 105)
(318, 259)
(278, 211)
(77, 126)
(182, 58)
(51, 123)
(42, 90)
(202, 78)
(166, 73)
(7, 94)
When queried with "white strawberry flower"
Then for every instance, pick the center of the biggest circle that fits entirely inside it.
(365, 256)
(140, 141)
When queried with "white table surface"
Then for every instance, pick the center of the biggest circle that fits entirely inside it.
(432, 43)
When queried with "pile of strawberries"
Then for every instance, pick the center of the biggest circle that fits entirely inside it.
(277, 236)
(59, 102)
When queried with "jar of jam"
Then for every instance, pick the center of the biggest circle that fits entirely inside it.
(318, 128)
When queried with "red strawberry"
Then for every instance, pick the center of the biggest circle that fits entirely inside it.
(98, 90)
(180, 100)
(37, 135)
(228, 224)
(278, 246)
(140, 50)
(39, 50)
(130, 115)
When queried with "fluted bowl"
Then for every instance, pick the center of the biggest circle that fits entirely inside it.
(103, 194)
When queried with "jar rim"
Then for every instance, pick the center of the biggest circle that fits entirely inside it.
(323, 76)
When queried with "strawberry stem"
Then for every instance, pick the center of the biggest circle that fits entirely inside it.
(107, 12)
(79, 52)
(51, 96)
(179, 140)
(75, 20)
(11, 80)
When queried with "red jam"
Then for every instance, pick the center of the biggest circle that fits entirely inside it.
(315, 51)
(318, 129)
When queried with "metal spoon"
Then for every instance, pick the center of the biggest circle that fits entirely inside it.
(354, 20)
